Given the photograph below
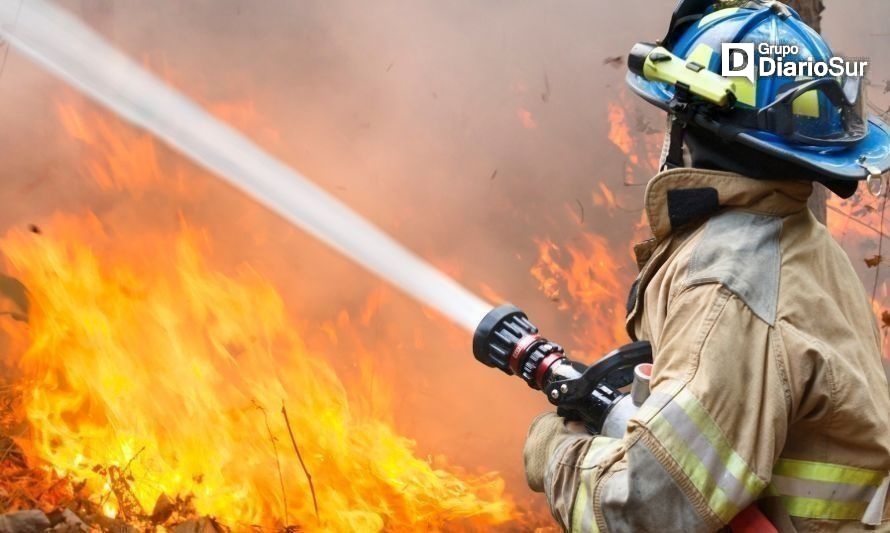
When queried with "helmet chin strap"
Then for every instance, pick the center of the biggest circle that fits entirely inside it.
(682, 110)
(672, 148)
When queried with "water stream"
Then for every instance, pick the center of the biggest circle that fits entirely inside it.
(65, 46)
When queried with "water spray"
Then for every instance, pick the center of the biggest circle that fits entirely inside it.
(69, 49)
(504, 337)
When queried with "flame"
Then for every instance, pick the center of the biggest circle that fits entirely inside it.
(129, 155)
(643, 156)
(586, 281)
(150, 373)
(619, 133)
(146, 362)
(859, 224)
(587, 278)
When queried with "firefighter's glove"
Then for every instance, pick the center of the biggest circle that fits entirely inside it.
(545, 435)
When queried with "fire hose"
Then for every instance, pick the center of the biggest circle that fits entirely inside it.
(603, 396)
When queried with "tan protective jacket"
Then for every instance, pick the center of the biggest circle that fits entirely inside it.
(768, 385)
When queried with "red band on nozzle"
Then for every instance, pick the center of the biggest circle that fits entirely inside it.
(522, 345)
(545, 365)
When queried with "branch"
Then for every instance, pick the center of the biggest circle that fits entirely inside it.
(856, 220)
(277, 462)
(874, 290)
(300, 457)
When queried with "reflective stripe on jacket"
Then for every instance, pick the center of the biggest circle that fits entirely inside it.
(768, 386)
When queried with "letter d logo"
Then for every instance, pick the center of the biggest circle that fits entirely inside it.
(738, 60)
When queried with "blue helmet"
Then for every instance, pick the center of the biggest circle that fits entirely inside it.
(803, 106)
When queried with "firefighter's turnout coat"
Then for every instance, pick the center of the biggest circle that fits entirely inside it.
(768, 386)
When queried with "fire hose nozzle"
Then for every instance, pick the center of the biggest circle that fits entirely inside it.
(497, 335)
(506, 339)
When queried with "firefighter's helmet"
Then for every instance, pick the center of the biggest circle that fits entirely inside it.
(809, 117)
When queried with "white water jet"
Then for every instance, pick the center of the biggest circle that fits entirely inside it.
(69, 49)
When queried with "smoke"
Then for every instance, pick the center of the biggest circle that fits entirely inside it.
(466, 129)
(67, 48)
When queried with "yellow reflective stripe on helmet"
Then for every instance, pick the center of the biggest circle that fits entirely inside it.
(807, 104)
(810, 489)
(694, 440)
(583, 516)
(833, 473)
(803, 507)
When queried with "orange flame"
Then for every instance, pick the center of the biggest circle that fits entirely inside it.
(619, 133)
(148, 360)
(129, 155)
(150, 373)
(643, 157)
(586, 281)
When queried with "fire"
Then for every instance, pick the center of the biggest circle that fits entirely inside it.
(129, 155)
(589, 277)
(148, 375)
(586, 281)
(858, 224)
(619, 133)
(644, 153)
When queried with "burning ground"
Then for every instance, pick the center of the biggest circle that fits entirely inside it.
(169, 319)
(149, 374)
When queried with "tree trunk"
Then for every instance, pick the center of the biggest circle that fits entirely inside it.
(811, 13)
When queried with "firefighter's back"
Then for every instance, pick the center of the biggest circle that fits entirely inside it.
(836, 457)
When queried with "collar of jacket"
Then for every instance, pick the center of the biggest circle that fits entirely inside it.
(683, 195)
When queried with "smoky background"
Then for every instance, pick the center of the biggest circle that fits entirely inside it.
(468, 130)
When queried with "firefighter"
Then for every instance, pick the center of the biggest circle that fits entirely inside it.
(770, 407)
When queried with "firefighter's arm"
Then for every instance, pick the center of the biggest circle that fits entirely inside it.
(700, 449)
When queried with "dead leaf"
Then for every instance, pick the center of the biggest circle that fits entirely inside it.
(163, 509)
(872, 262)
(15, 293)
